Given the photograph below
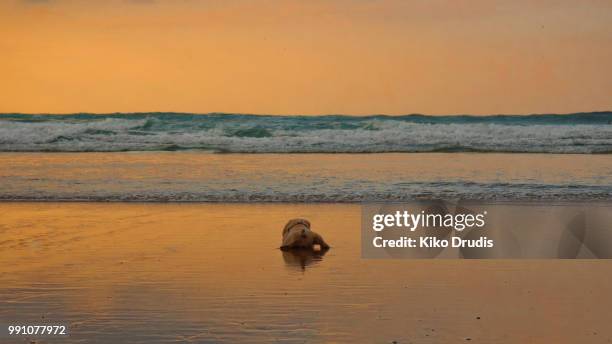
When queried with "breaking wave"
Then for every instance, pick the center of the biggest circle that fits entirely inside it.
(587, 133)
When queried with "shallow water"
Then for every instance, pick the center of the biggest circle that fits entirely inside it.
(204, 273)
(199, 176)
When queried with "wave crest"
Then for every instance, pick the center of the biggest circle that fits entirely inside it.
(580, 133)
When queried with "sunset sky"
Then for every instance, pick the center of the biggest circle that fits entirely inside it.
(305, 57)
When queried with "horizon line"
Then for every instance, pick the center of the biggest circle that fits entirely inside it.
(307, 115)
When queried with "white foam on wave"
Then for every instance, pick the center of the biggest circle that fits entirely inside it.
(489, 192)
(116, 134)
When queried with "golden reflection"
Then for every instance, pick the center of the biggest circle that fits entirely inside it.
(212, 272)
(300, 257)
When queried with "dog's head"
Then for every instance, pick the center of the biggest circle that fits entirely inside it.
(299, 224)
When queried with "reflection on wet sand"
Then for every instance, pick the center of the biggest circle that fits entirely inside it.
(211, 273)
(301, 257)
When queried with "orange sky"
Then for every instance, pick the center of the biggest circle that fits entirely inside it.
(306, 57)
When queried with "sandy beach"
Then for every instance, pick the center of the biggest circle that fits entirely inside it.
(207, 273)
(455, 155)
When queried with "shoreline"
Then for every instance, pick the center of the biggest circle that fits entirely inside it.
(594, 202)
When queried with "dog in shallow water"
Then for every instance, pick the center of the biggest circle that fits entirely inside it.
(297, 234)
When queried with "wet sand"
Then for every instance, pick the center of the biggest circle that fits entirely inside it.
(207, 273)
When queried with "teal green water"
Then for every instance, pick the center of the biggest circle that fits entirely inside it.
(225, 133)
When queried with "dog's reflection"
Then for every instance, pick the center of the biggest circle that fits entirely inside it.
(302, 257)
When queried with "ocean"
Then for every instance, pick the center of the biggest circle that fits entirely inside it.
(163, 157)
(586, 133)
